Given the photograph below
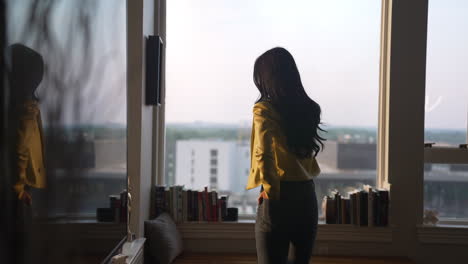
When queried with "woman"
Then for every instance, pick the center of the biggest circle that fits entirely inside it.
(284, 144)
(28, 148)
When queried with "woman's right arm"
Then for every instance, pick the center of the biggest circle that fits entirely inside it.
(24, 136)
(264, 152)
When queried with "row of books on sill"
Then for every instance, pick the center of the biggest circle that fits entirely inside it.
(117, 210)
(191, 205)
(367, 207)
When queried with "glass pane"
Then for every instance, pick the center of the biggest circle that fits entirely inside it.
(446, 185)
(210, 92)
(445, 190)
(82, 100)
(447, 73)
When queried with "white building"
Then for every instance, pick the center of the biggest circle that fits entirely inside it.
(219, 165)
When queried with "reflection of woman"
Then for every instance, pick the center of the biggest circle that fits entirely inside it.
(28, 149)
(284, 144)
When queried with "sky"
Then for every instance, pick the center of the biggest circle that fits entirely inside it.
(212, 46)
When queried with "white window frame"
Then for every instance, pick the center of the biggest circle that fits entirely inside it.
(382, 167)
(400, 154)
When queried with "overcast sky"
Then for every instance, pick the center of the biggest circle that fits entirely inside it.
(212, 46)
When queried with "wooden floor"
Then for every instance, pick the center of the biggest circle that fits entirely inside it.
(251, 259)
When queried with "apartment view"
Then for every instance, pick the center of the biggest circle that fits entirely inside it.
(128, 131)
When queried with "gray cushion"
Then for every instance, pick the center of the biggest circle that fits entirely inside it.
(164, 242)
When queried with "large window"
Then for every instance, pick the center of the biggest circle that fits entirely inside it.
(211, 49)
(82, 98)
(446, 182)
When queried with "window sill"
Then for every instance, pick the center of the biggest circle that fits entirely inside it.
(245, 230)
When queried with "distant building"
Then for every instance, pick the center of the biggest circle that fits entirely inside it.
(458, 167)
(217, 164)
(348, 156)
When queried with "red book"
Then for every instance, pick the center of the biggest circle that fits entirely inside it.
(215, 207)
(207, 205)
(201, 215)
(218, 207)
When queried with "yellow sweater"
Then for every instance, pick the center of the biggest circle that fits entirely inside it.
(29, 149)
(271, 162)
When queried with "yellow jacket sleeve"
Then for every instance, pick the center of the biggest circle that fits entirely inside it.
(24, 135)
(264, 148)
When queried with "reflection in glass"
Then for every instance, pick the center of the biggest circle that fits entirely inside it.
(82, 101)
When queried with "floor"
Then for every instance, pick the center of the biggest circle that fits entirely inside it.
(251, 259)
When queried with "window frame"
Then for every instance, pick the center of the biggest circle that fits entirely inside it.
(391, 84)
(449, 155)
(159, 123)
(402, 172)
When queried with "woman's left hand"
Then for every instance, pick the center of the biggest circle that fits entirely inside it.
(261, 196)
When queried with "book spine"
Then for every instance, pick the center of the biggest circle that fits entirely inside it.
(184, 206)
(218, 207)
(351, 208)
(370, 208)
(358, 208)
(213, 206)
(159, 203)
(364, 208)
(200, 207)
(190, 207)
(385, 207)
(343, 211)
(206, 204)
(167, 197)
(180, 206)
(337, 208)
(195, 205)
(223, 208)
(330, 211)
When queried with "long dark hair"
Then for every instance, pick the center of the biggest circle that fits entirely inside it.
(25, 73)
(277, 78)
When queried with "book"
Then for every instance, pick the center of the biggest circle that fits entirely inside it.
(330, 211)
(363, 208)
(115, 205)
(159, 200)
(184, 206)
(213, 209)
(223, 204)
(352, 208)
(195, 206)
(179, 203)
(384, 203)
(200, 207)
(337, 198)
(370, 207)
(345, 210)
(358, 208)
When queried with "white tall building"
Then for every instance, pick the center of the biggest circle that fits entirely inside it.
(217, 164)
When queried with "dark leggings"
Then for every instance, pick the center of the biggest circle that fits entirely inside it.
(291, 219)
